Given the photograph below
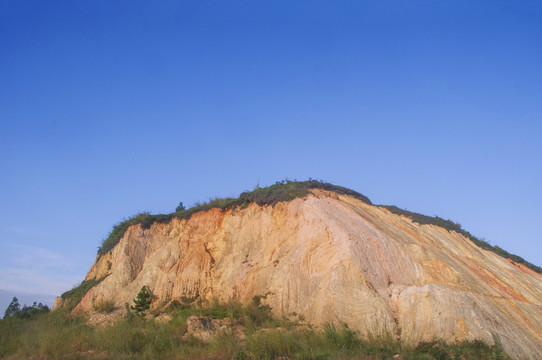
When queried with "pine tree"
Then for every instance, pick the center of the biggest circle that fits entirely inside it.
(142, 302)
(13, 308)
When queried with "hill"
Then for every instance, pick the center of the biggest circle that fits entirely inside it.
(324, 254)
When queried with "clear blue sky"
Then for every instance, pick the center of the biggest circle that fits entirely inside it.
(109, 108)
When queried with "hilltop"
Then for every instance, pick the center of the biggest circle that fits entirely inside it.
(287, 190)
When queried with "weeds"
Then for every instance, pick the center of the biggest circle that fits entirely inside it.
(252, 316)
(48, 336)
(73, 297)
(58, 335)
(104, 306)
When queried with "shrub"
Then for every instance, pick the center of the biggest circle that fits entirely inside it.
(180, 207)
(104, 306)
(73, 297)
(119, 229)
(189, 299)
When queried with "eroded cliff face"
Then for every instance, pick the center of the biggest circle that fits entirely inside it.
(333, 258)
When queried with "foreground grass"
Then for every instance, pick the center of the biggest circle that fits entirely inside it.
(58, 335)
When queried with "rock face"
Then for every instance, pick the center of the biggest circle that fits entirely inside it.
(332, 258)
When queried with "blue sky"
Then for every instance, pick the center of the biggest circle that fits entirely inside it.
(109, 108)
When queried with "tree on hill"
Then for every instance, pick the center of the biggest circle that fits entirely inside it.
(13, 308)
(142, 302)
(36, 309)
(180, 207)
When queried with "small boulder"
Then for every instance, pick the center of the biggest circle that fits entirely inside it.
(205, 328)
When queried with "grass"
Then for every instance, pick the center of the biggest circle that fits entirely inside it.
(287, 190)
(118, 231)
(57, 335)
(73, 297)
(50, 336)
(252, 316)
(104, 306)
(453, 226)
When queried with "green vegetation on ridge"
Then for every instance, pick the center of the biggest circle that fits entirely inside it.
(452, 226)
(287, 190)
(271, 195)
(72, 297)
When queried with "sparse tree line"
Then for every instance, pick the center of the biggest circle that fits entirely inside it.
(26, 312)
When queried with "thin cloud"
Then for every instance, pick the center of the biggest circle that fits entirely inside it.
(36, 270)
(26, 255)
(35, 281)
(24, 231)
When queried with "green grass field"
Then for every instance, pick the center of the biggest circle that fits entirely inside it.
(59, 335)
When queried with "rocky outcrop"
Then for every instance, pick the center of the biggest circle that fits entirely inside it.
(331, 258)
(205, 328)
